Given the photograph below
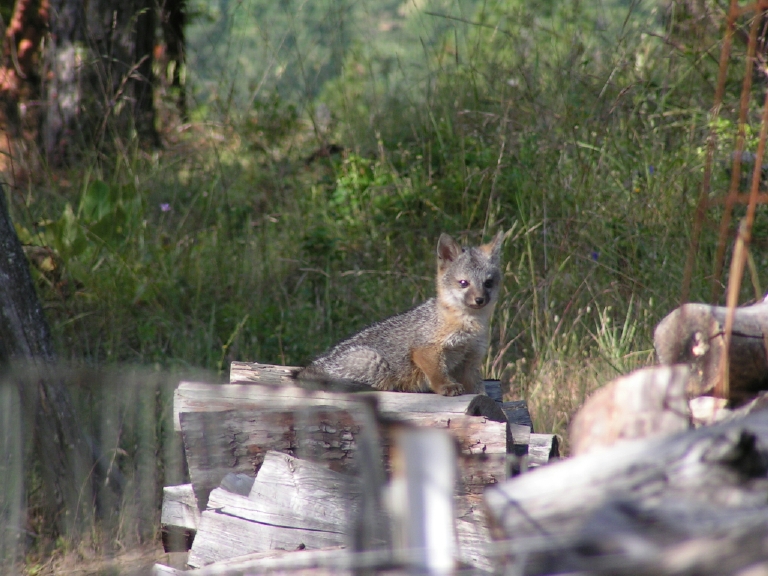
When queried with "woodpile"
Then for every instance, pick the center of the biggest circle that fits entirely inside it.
(665, 478)
(278, 470)
(695, 502)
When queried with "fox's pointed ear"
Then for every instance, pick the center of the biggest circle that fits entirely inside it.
(447, 248)
(493, 248)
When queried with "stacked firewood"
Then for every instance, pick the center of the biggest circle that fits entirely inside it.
(276, 469)
(668, 478)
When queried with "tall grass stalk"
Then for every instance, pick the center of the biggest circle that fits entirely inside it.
(249, 238)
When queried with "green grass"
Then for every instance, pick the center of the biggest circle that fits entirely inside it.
(587, 141)
(229, 245)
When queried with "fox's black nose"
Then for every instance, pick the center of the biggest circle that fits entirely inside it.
(480, 300)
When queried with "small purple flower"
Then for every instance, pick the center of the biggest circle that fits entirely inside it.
(595, 255)
(165, 207)
(651, 170)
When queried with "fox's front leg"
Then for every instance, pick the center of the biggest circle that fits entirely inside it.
(431, 361)
(469, 373)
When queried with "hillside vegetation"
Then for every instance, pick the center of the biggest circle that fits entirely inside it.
(332, 142)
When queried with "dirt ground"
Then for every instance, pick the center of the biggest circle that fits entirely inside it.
(134, 562)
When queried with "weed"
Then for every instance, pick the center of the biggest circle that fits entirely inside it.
(581, 131)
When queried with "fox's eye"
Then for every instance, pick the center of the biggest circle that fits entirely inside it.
(488, 283)
(463, 283)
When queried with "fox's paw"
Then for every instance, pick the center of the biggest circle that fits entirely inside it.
(451, 389)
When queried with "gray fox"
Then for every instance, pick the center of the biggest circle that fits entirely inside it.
(438, 345)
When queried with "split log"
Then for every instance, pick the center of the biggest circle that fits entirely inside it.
(542, 449)
(293, 504)
(179, 518)
(229, 427)
(632, 507)
(199, 397)
(236, 441)
(334, 561)
(694, 334)
(706, 410)
(262, 373)
(253, 372)
(228, 536)
(237, 483)
(474, 434)
(483, 445)
(202, 397)
(647, 402)
(539, 449)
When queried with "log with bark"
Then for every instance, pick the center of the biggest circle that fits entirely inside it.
(694, 334)
(692, 503)
(647, 402)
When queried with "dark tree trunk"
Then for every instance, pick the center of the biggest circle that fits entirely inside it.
(23, 329)
(63, 451)
(101, 81)
(173, 20)
(143, 79)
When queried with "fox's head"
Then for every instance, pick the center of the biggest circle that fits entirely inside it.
(468, 277)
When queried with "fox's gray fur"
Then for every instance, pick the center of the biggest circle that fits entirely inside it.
(438, 345)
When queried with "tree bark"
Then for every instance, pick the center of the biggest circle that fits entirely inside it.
(100, 75)
(173, 18)
(694, 334)
(24, 331)
(63, 451)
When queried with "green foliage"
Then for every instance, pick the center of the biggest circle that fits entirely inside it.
(576, 125)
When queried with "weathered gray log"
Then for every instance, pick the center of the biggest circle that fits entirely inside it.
(650, 401)
(538, 449)
(228, 536)
(236, 441)
(202, 397)
(262, 373)
(192, 397)
(179, 518)
(694, 334)
(253, 372)
(325, 562)
(475, 434)
(237, 483)
(293, 504)
(302, 494)
(543, 449)
(483, 445)
(629, 508)
(706, 410)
